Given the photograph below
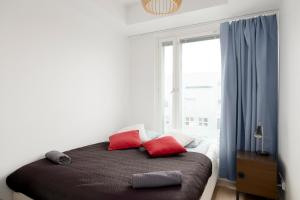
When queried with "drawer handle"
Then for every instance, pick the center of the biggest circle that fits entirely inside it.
(241, 175)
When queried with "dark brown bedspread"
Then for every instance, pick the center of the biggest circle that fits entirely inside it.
(98, 174)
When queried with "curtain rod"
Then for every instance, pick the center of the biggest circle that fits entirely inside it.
(231, 19)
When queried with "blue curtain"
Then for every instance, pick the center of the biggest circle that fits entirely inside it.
(249, 88)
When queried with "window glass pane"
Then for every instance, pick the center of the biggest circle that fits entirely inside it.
(168, 86)
(201, 87)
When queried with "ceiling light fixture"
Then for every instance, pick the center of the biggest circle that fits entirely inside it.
(161, 7)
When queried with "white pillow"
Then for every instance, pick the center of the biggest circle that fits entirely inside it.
(152, 134)
(139, 127)
(180, 137)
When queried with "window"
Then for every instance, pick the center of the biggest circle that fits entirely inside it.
(191, 77)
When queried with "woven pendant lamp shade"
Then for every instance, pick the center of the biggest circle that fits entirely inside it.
(161, 7)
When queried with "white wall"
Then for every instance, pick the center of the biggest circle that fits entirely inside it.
(64, 78)
(289, 119)
(142, 81)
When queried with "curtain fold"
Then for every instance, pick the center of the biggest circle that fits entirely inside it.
(249, 51)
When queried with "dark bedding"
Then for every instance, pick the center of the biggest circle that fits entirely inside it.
(98, 174)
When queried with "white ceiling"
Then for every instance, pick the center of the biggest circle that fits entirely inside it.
(136, 13)
(136, 21)
(193, 12)
(128, 2)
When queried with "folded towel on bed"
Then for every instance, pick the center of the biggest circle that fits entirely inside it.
(156, 179)
(58, 157)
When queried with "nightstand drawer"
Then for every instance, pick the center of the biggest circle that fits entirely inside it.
(257, 177)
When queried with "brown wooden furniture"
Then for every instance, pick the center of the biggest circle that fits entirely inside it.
(256, 175)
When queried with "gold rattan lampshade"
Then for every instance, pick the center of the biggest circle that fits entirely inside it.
(161, 7)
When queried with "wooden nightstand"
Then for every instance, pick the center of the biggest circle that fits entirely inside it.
(256, 175)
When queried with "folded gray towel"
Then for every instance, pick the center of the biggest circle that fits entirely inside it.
(58, 157)
(156, 179)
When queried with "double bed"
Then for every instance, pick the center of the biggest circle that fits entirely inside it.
(96, 173)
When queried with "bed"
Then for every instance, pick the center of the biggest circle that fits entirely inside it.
(100, 174)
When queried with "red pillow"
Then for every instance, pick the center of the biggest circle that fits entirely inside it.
(125, 140)
(164, 146)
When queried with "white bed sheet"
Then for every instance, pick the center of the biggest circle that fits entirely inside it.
(211, 152)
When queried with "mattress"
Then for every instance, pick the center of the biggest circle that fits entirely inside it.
(100, 174)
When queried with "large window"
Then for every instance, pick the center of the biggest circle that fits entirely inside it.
(191, 88)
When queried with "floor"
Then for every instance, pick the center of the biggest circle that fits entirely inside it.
(222, 193)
